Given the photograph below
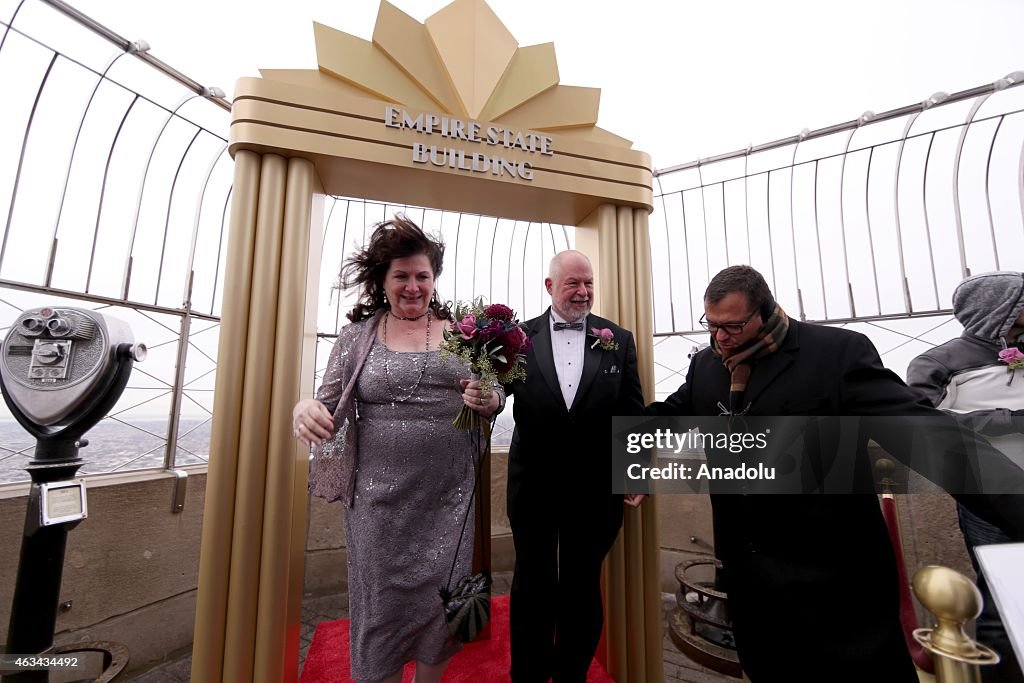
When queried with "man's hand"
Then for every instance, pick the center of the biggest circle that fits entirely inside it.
(633, 500)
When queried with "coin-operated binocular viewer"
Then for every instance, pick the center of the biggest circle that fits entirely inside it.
(61, 371)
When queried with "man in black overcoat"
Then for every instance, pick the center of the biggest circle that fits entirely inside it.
(811, 579)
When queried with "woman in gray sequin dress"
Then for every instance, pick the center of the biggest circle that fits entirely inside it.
(404, 471)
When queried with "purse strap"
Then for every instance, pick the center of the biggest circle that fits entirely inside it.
(479, 453)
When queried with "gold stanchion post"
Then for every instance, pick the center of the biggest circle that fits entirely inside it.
(953, 600)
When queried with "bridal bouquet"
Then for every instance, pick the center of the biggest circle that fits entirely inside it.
(490, 339)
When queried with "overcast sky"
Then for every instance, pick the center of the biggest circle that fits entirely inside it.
(680, 79)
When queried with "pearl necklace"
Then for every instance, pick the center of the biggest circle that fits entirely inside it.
(387, 370)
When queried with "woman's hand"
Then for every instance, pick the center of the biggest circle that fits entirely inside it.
(481, 399)
(311, 421)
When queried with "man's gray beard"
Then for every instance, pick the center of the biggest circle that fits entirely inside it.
(581, 316)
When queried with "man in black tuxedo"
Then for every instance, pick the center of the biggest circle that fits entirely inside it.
(580, 371)
(811, 578)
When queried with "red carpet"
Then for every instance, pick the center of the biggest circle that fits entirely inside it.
(481, 662)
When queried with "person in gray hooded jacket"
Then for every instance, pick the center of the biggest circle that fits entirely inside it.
(967, 376)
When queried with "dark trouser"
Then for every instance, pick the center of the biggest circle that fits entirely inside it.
(989, 625)
(556, 614)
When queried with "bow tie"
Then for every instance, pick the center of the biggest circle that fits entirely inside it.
(568, 326)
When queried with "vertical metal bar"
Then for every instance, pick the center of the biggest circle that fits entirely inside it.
(725, 227)
(817, 240)
(544, 263)
(927, 223)
(842, 222)
(455, 279)
(746, 200)
(494, 236)
(526, 244)
(323, 237)
(508, 271)
(21, 158)
(220, 246)
(199, 211)
(142, 191)
(344, 235)
(7, 29)
(792, 224)
(899, 231)
(327, 222)
(167, 218)
(50, 260)
(179, 382)
(686, 248)
(668, 254)
(988, 191)
(476, 242)
(871, 239)
(74, 149)
(103, 192)
(704, 213)
(957, 211)
(768, 221)
(363, 242)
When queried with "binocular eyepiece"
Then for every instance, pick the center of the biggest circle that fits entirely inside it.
(55, 360)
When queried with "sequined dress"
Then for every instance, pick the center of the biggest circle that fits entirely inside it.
(412, 490)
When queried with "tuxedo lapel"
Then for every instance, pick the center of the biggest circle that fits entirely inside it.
(543, 357)
(591, 364)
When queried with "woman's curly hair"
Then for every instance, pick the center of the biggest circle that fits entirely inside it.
(393, 239)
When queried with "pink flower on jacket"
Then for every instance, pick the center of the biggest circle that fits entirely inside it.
(467, 327)
(604, 337)
(1012, 357)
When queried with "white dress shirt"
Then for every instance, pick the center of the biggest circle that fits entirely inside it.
(567, 351)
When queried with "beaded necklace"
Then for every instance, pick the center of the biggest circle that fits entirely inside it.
(387, 371)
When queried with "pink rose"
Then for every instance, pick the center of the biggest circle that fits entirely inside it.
(1011, 355)
(525, 341)
(467, 327)
(605, 335)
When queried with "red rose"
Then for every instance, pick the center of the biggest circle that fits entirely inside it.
(499, 312)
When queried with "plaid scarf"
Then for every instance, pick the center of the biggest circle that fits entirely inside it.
(768, 340)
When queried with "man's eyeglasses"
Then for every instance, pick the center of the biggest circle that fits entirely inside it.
(731, 329)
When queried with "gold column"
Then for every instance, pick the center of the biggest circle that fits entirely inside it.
(618, 243)
(255, 426)
(247, 617)
(277, 636)
(218, 516)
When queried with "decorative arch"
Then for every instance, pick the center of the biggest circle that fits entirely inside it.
(452, 114)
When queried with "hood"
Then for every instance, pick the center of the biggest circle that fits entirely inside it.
(988, 304)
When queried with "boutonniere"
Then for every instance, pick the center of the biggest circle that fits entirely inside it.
(606, 339)
(1013, 358)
